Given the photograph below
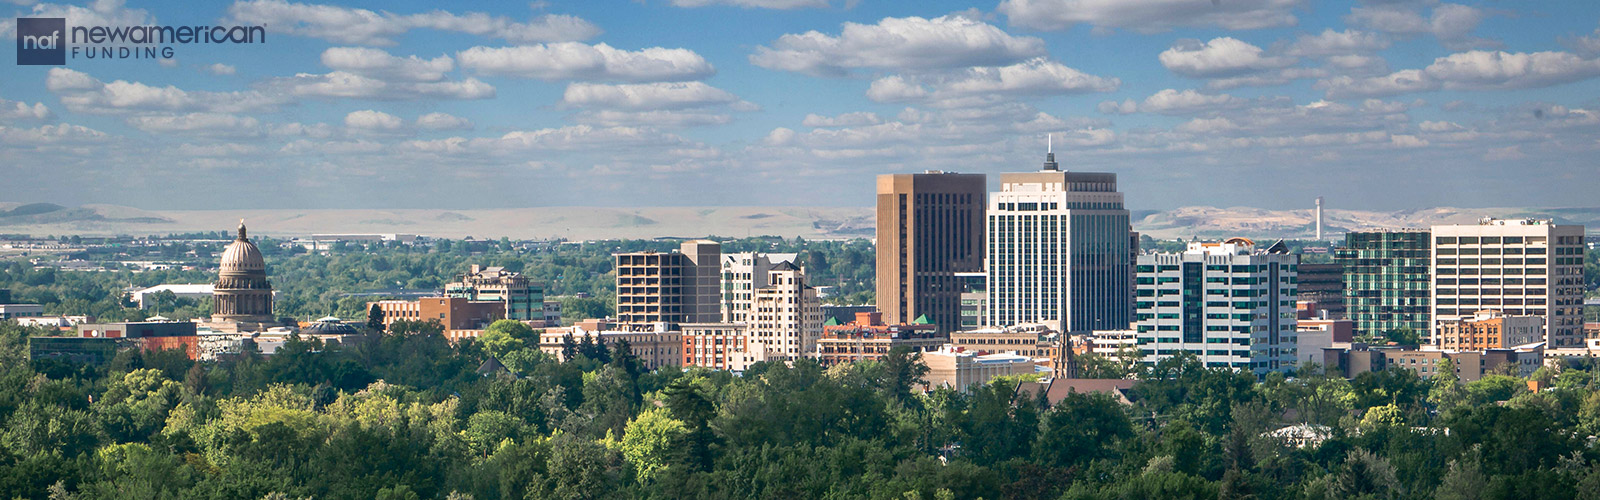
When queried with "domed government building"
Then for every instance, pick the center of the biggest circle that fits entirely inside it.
(242, 296)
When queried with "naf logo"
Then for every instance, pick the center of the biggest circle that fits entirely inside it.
(41, 41)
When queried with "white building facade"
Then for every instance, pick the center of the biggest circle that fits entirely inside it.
(1230, 304)
(1520, 267)
(1058, 251)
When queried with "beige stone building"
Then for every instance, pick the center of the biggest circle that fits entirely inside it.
(786, 317)
(962, 369)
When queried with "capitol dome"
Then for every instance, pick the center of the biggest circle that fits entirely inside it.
(242, 293)
(242, 255)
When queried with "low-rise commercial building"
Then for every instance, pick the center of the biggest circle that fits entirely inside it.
(867, 337)
(13, 311)
(460, 317)
(722, 346)
(961, 369)
(1489, 330)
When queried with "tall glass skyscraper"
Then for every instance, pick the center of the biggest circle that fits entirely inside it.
(1058, 251)
(1386, 280)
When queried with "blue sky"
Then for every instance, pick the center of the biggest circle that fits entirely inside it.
(1383, 104)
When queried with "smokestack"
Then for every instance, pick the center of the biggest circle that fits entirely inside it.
(1319, 218)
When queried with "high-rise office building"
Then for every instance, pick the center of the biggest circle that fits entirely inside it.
(930, 228)
(1387, 283)
(1059, 251)
(1230, 303)
(1519, 267)
(675, 287)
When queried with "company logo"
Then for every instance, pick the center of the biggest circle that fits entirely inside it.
(47, 41)
(41, 41)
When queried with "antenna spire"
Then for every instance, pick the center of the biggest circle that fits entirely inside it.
(1050, 154)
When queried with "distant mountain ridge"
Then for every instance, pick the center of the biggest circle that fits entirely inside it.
(582, 223)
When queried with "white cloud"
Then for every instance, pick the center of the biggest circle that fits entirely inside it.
(1472, 70)
(377, 63)
(1150, 16)
(1399, 82)
(373, 120)
(580, 61)
(17, 110)
(217, 124)
(570, 138)
(1223, 56)
(1173, 102)
(654, 118)
(646, 96)
(221, 69)
(85, 94)
(755, 4)
(1586, 45)
(854, 119)
(443, 121)
(364, 27)
(1485, 70)
(1336, 43)
(51, 134)
(910, 43)
(1452, 24)
(342, 84)
(986, 85)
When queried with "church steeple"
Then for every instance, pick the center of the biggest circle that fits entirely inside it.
(1050, 155)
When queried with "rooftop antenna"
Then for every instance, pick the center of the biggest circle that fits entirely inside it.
(1050, 154)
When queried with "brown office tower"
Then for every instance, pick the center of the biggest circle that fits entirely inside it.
(930, 227)
(673, 288)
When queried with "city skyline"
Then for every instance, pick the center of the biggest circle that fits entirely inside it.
(404, 105)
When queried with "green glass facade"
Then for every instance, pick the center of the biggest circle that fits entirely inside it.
(1387, 285)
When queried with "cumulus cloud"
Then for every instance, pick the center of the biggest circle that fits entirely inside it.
(213, 124)
(910, 43)
(343, 84)
(17, 110)
(654, 118)
(1223, 56)
(1148, 16)
(580, 61)
(1452, 24)
(985, 85)
(221, 69)
(378, 63)
(1471, 70)
(854, 119)
(755, 4)
(443, 121)
(85, 94)
(1337, 43)
(364, 27)
(373, 120)
(1174, 102)
(570, 138)
(646, 96)
(51, 134)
